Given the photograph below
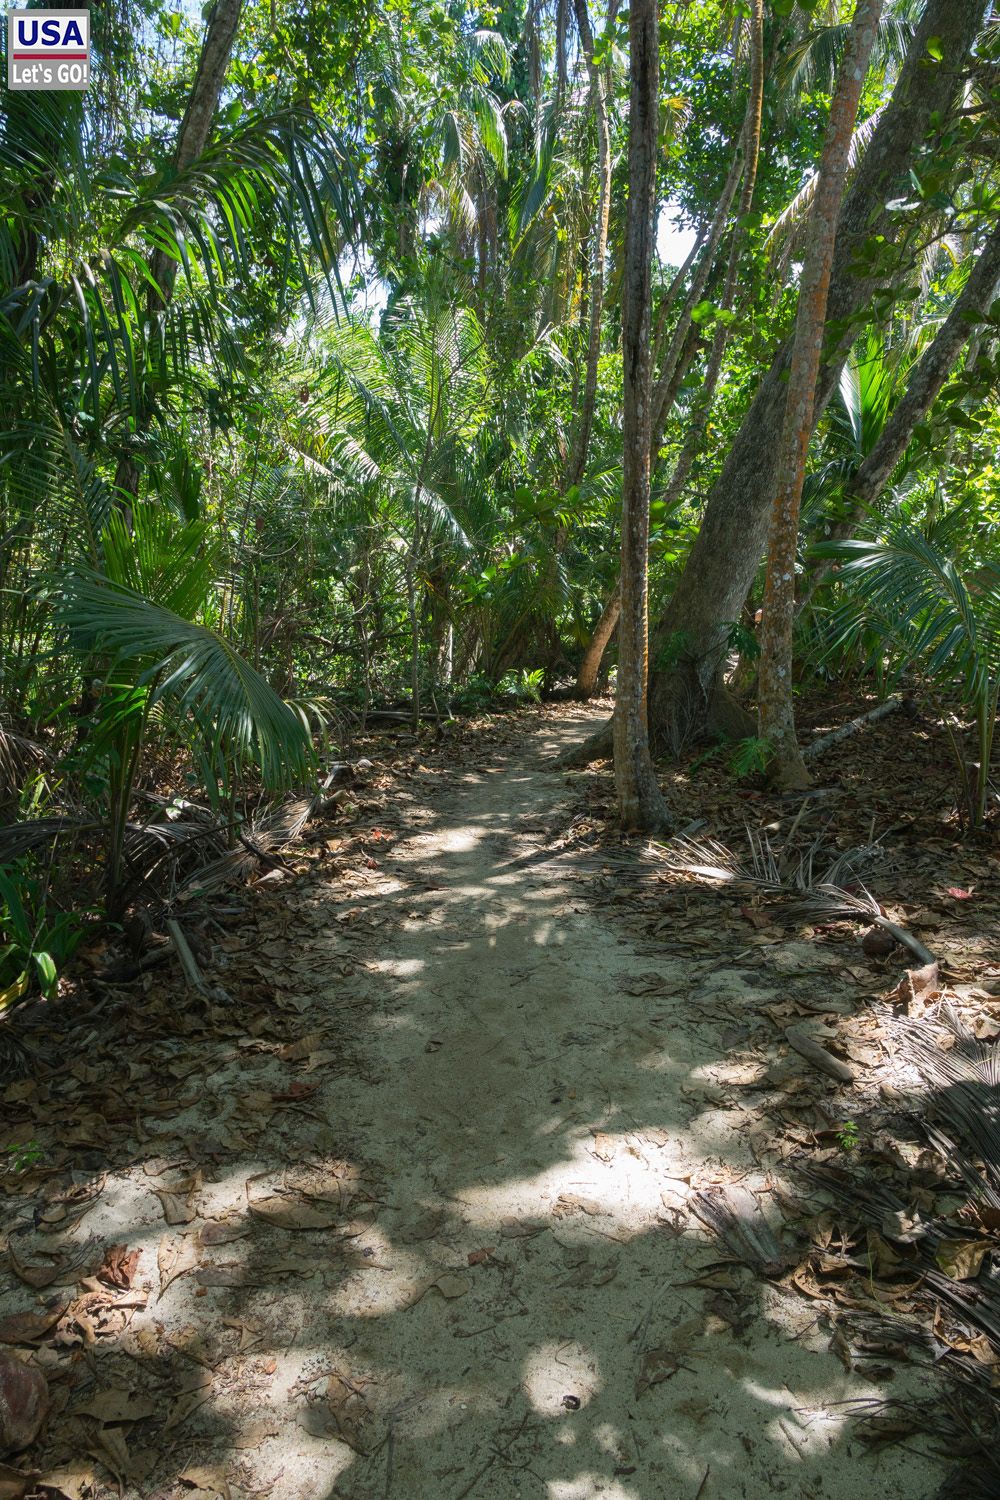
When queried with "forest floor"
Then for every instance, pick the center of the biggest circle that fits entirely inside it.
(403, 1209)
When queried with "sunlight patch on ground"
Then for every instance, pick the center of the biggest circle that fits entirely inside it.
(589, 1487)
(624, 1189)
(808, 1432)
(557, 1374)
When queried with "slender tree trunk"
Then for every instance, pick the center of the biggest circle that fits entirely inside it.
(776, 701)
(640, 802)
(586, 677)
(192, 138)
(694, 438)
(660, 401)
(599, 251)
(689, 643)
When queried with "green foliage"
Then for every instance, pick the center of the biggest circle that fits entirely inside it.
(750, 757)
(35, 941)
(23, 1155)
(905, 595)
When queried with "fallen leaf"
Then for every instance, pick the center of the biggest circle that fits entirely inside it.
(29, 1327)
(174, 1258)
(293, 1213)
(177, 1199)
(117, 1405)
(452, 1285)
(961, 1259)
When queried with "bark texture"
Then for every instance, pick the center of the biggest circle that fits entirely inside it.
(640, 802)
(777, 704)
(690, 640)
(586, 677)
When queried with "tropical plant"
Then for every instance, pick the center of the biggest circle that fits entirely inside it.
(907, 596)
(138, 622)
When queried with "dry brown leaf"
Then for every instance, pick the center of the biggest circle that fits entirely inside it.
(176, 1257)
(207, 1482)
(292, 1213)
(961, 1259)
(117, 1405)
(296, 1051)
(29, 1327)
(177, 1199)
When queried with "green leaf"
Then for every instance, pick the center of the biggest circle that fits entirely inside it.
(47, 973)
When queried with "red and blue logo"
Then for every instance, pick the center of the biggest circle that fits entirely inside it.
(48, 49)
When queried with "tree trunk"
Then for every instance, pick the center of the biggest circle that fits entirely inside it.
(640, 802)
(776, 701)
(690, 640)
(192, 138)
(694, 439)
(599, 250)
(586, 677)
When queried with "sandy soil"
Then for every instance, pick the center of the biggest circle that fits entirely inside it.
(514, 1299)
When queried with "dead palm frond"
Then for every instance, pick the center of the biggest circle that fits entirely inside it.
(820, 887)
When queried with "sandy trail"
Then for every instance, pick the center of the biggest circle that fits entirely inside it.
(508, 1101)
(526, 1104)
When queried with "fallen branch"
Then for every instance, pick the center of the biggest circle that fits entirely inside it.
(188, 963)
(813, 1053)
(846, 730)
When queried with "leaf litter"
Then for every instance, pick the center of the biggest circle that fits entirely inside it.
(197, 1275)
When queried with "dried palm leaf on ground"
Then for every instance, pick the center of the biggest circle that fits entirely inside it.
(734, 1214)
(820, 886)
(964, 1080)
(260, 839)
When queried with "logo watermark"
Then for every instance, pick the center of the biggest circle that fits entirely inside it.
(48, 49)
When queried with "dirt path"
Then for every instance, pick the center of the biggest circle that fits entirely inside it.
(504, 1293)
